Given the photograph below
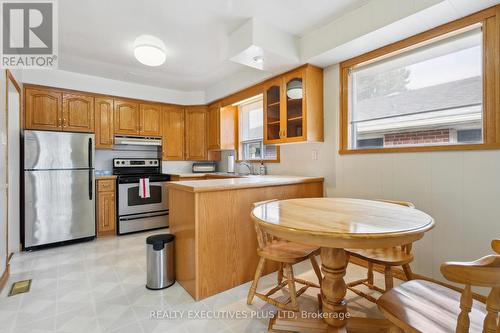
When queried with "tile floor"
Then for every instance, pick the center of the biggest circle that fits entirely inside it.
(98, 286)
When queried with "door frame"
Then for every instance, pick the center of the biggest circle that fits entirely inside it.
(9, 77)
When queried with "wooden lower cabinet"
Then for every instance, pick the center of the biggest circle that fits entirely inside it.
(106, 207)
(209, 233)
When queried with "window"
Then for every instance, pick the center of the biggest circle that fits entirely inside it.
(370, 143)
(423, 92)
(469, 135)
(251, 130)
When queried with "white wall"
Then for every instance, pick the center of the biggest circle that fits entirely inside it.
(3, 167)
(177, 166)
(95, 84)
(461, 190)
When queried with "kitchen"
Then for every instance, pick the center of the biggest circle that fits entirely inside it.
(266, 140)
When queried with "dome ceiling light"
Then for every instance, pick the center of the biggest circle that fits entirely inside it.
(294, 89)
(149, 50)
(258, 59)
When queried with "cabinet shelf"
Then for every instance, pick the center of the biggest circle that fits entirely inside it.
(275, 122)
(273, 104)
(294, 101)
(295, 118)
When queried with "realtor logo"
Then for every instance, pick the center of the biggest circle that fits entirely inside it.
(29, 34)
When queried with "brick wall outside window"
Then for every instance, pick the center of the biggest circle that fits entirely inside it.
(417, 137)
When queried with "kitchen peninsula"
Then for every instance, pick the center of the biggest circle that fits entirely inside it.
(216, 245)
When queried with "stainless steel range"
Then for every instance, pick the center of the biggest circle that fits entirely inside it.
(137, 213)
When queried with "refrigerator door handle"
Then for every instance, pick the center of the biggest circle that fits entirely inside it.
(90, 185)
(90, 152)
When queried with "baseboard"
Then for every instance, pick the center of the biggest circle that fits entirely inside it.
(399, 274)
(4, 278)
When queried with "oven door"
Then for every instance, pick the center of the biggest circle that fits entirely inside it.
(129, 201)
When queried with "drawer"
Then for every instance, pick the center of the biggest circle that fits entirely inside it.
(106, 185)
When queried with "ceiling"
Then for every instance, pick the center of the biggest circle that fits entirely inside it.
(97, 38)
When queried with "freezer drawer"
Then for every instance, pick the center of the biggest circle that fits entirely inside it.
(59, 206)
(140, 222)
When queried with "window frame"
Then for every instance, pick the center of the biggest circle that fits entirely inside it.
(238, 142)
(490, 19)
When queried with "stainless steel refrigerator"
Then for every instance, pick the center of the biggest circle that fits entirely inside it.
(58, 187)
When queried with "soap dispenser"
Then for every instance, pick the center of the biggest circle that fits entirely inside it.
(262, 169)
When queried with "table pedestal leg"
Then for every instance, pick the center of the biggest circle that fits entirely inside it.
(333, 288)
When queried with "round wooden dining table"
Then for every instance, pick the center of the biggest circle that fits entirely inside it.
(336, 224)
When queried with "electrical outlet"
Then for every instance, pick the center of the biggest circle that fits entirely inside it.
(315, 155)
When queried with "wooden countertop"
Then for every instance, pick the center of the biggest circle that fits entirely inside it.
(112, 177)
(211, 185)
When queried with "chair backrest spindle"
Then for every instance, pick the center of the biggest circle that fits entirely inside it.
(491, 324)
(263, 238)
(463, 322)
(484, 272)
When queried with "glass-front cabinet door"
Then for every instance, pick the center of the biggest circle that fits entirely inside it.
(272, 112)
(294, 94)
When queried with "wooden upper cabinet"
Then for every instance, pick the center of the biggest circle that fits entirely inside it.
(127, 117)
(78, 113)
(294, 120)
(213, 124)
(228, 125)
(293, 106)
(272, 111)
(150, 118)
(173, 133)
(104, 122)
(196, 133)
(43, 109)
(221, 127)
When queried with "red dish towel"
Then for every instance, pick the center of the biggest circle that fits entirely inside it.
(144, 188)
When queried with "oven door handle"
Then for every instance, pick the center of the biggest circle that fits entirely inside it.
(143, 216)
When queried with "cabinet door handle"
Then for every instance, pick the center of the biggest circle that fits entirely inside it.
(60, 122)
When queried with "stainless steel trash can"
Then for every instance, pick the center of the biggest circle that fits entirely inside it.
(160, 261)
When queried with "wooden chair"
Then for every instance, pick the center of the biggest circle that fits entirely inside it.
(286, 254)
(422, 306)
(389, 257)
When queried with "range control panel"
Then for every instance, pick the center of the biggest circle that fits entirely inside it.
(130, 163)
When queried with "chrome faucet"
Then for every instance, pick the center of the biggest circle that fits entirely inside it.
(249, 166)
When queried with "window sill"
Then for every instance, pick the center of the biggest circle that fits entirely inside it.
(258, 161)
(480, 146)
